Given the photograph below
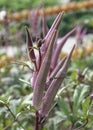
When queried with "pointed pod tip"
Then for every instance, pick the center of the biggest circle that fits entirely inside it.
(28, 36)
(70, 54)
(74, 29)
(61, 13)
(27, 30)
(73, 48)
(53, 36)
(25, 27)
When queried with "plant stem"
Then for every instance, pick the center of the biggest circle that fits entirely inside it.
(37, 121)
(72, 126)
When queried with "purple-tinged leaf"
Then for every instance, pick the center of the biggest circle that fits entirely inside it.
(45, 27)
(59, 48)
(53, 88)
(42, 75)
(30, 48)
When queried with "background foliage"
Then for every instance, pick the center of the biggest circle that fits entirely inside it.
(73, 104)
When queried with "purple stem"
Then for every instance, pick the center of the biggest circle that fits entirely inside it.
(37, 121)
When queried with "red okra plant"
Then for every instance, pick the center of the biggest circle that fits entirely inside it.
(49, 70)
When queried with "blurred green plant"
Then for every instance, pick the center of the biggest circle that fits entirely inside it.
(14, 5)
(72, 105)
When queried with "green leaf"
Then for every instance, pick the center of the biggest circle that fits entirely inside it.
(24, 81)
(9, 98)
(52, 126)
(24, 64)
(74, 75)
(90, 117)
(64, 106)
(80, 93)
(86, 106)
(1, 103)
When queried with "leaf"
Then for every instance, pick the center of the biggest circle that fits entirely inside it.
(2, 102)
(26, 82)
(80, 92)
(74, 75)
(25, 64)
(90, 117)
(59, 93)
(9, 98)
(86, 106)
(64, 106)
(30, 47)
(52, 126)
